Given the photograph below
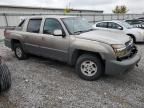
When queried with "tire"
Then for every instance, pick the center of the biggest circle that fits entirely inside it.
(5, 78)
(134, 39)
(89, 67)
(19, 52)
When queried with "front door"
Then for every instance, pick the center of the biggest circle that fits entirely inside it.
(55, 47)
(114, 27)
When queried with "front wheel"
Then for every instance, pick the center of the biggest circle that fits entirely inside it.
(89, 67)
(133, 38)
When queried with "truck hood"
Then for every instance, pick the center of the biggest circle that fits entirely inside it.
(105, 37)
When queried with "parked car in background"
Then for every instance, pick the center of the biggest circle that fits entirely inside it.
(72, 40)
(142, 18)
(136, 23)
(136, 34)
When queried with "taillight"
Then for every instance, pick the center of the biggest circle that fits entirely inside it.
(6, 34)
(0, 59)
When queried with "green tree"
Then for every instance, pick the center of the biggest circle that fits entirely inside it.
(120, 9)
(67, 10)
(116, 10)
(124, 9)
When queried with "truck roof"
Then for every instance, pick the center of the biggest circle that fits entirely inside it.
(51, 16)
(110, 21)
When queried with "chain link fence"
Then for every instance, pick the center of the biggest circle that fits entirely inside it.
(8, 19)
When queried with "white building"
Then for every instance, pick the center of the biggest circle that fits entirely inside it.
(10, 15)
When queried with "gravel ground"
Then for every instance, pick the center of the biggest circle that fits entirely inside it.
(44, 83)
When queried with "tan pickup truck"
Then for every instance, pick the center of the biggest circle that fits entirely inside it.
(72, 40)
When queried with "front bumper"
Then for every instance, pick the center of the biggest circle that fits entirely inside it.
(114, 67)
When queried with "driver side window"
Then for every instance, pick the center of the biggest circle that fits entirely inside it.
(50, 25)
(112, 25)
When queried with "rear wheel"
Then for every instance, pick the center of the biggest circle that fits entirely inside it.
(5, 78)
(89, 67)
(19, 52)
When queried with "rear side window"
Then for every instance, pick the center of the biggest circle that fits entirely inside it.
(21, 23)
(103, 25)
(34, 25)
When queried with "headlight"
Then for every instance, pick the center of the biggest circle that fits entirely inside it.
(120, 50)
(118, 46)
(141, 33)
(131, 40)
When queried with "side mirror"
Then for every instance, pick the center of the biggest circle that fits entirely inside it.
(58, 32)
(120, 28)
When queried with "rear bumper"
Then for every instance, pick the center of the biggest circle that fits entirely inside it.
(114, 67)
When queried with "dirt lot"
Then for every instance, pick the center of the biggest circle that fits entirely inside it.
(44, 83)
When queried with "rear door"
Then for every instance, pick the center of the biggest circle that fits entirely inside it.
(32, 36)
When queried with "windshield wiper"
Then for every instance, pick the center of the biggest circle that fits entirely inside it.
(89, 30)
(79, 32)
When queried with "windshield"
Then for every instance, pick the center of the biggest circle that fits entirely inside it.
(127, 25)
(133, 22)
(77, 25)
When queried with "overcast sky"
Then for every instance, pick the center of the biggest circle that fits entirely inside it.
(134, 6)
